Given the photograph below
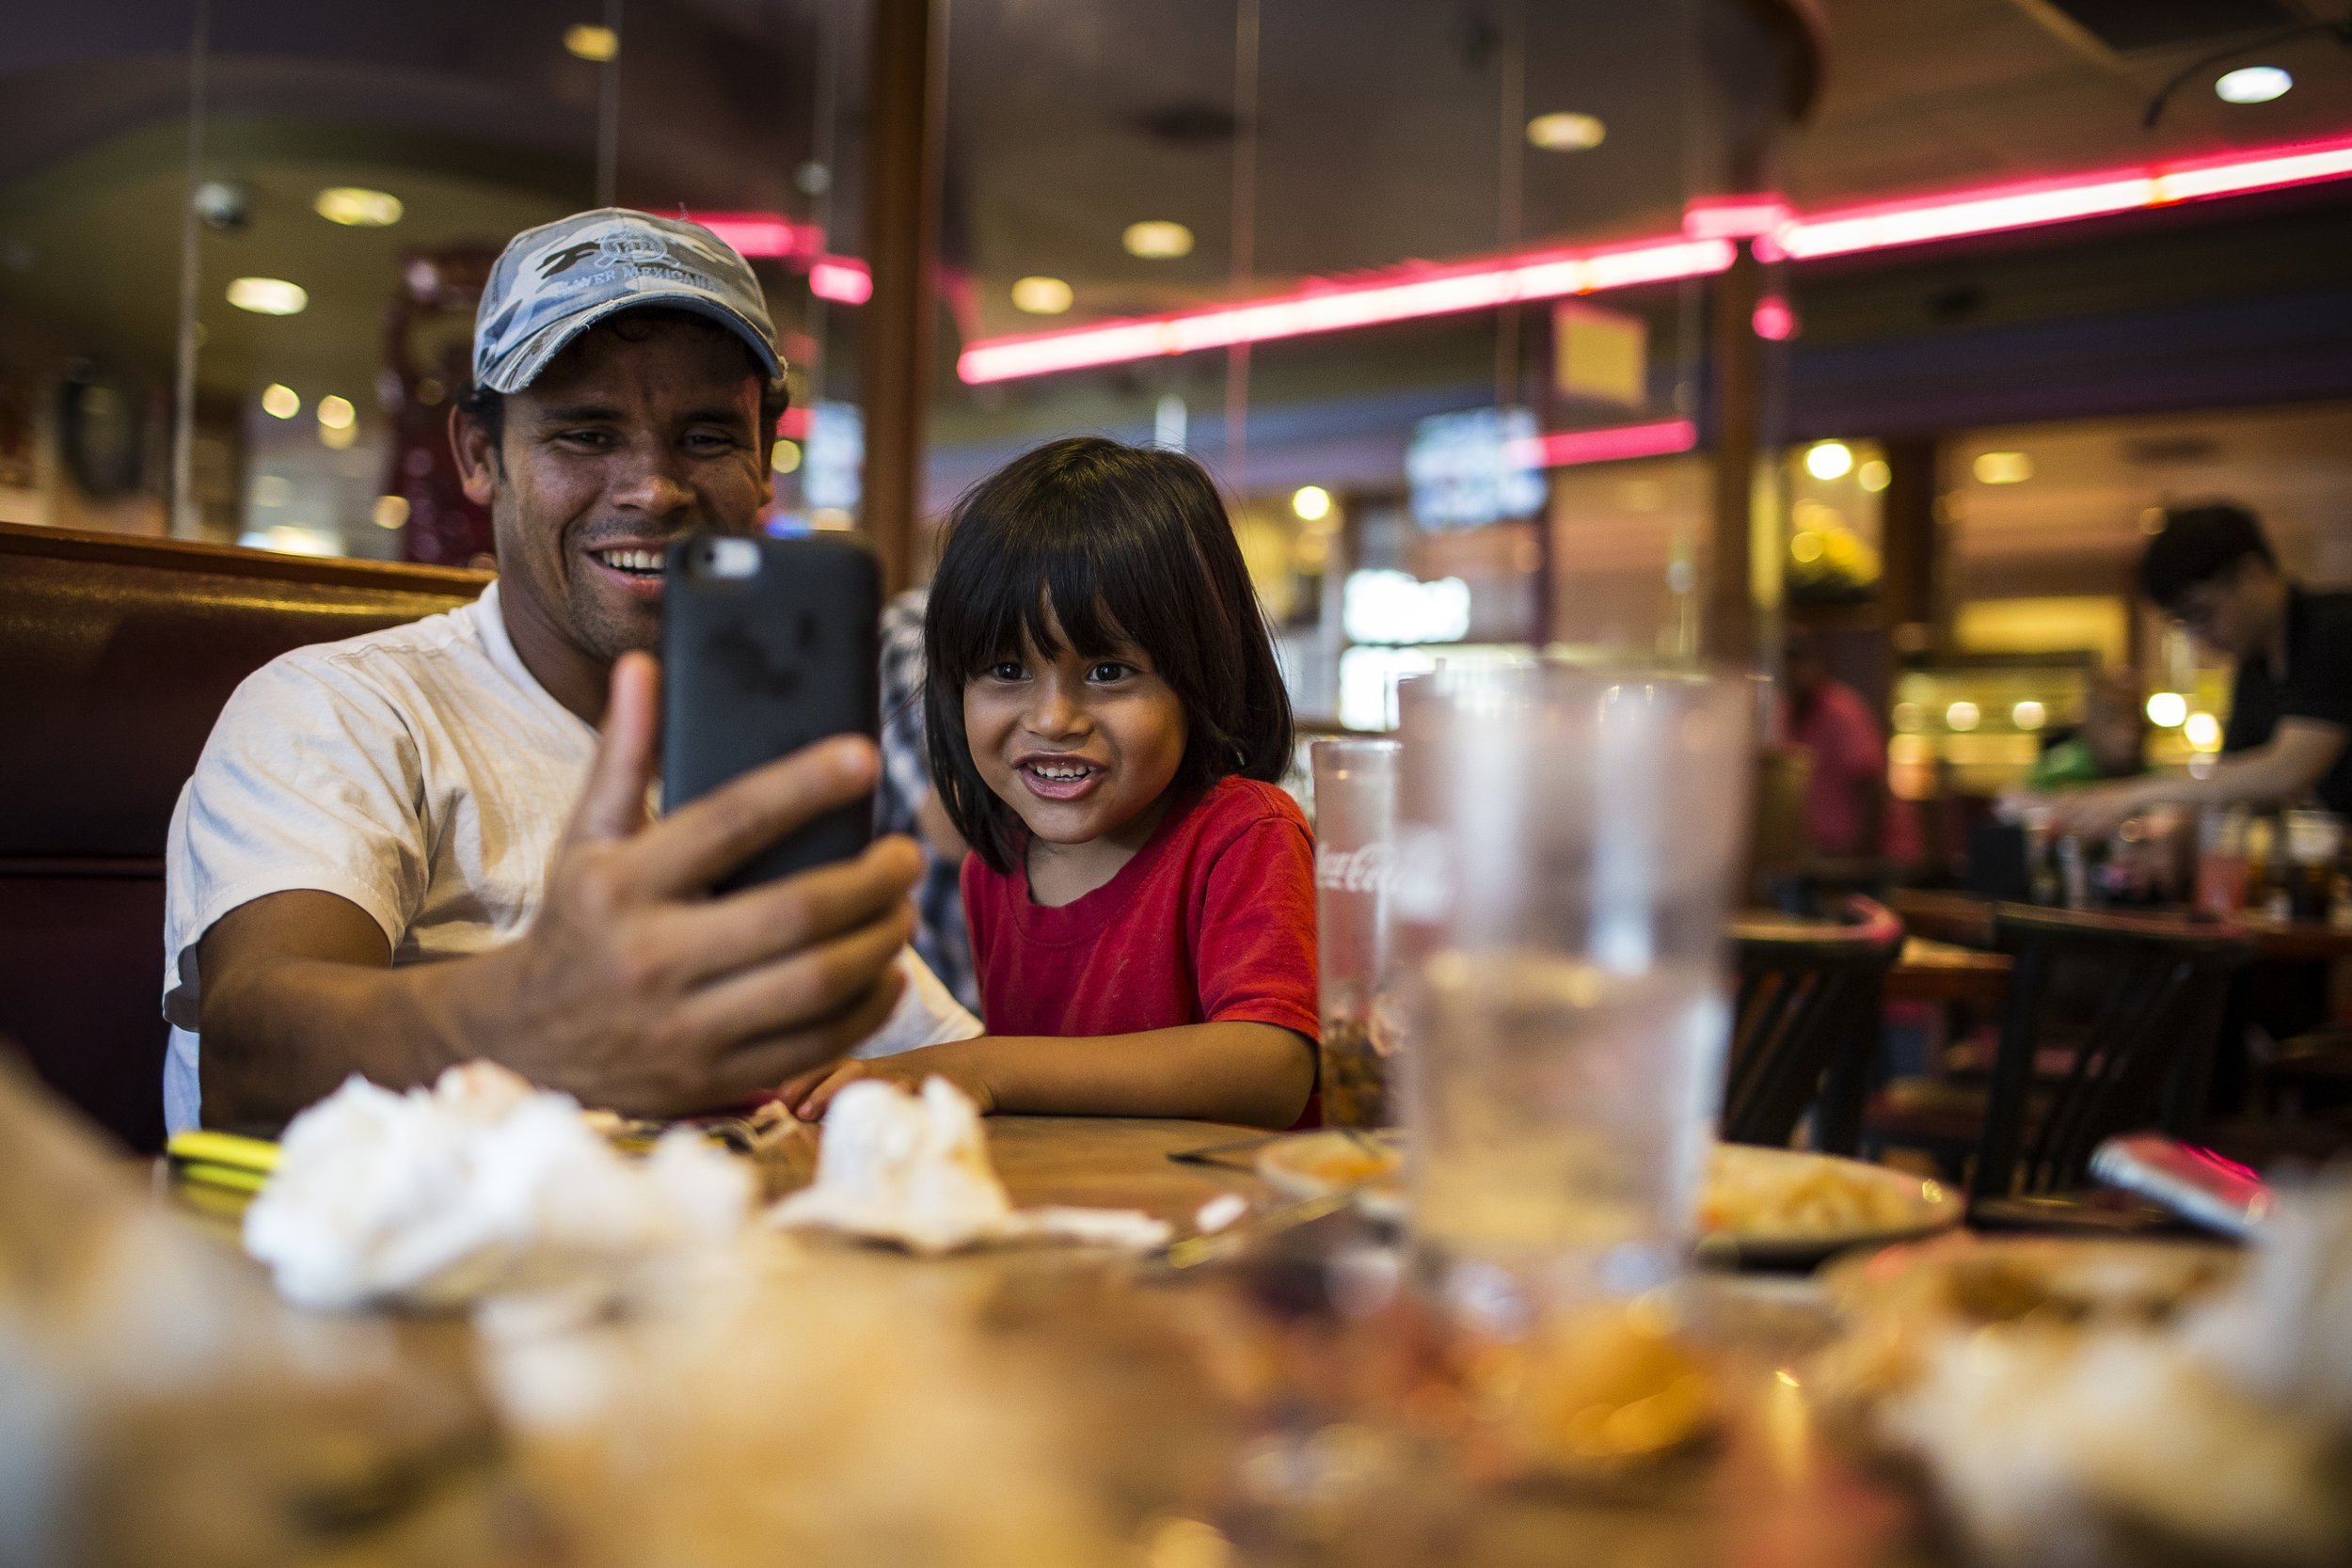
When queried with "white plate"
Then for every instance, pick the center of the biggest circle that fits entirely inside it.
(1896, 1206)
(1310, 1165)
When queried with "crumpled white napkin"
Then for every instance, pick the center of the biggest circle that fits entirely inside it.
(482, 1183)
(914, 1170)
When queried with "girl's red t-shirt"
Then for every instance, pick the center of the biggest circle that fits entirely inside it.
(1213, 921)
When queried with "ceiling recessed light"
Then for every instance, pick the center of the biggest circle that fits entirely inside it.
(1042, 296)
(281, 402)
(591, 43)
(357, 207)
(2003, 467)
(1157, 240)
(1566, 131)
(2252, 84)
(268, 297)
(1828, 460)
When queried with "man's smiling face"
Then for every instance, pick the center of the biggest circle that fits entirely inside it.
(646, 427)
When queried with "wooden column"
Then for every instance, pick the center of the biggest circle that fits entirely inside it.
(1909, 550)
(906, 120)
(1727, 633)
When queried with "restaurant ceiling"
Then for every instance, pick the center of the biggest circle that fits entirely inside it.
(1380, 132)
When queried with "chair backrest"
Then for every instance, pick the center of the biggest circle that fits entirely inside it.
(2154, 992)
(1808, 1024)
(119, 654)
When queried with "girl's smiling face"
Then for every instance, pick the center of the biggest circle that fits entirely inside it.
(1083, 747)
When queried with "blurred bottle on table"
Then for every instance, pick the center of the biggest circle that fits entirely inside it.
(1355, 853)
(2221, 861)
(2314, 847)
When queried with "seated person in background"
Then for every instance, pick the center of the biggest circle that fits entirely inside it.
(2290, 703)
(2112, 742)
(431, 844)
(905, 803)
(1106, 725)
(1845, 794)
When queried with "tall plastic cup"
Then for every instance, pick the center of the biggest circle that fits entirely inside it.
(1567, 844)
(1355, 852)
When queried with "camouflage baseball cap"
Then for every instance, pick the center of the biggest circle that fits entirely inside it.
(554, 282)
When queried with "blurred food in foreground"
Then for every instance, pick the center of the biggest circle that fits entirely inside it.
(156, 1405)
(481, 1184)
(914, 1170)
(2078, 1403)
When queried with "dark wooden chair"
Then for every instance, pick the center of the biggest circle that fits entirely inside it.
(2111, 1027)
(118, 653)
(2143, 1061)
(1807, 1026)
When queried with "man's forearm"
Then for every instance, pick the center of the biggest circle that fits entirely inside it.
(1257, 1074)
(284, 1035)
(2258, 779)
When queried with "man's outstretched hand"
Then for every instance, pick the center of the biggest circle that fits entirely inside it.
(638, 989)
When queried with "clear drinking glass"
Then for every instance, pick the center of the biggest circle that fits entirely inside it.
(1566, 846)
(1354, 848)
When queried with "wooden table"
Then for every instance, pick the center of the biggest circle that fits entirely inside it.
(1927, 970)
(1967, 919)
(1048, 1406)
(1116, 1163)
(1932, 971)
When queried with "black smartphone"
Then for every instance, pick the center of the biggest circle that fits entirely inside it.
(766, 646)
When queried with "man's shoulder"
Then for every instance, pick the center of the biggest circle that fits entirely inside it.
(384, 664)
(373, 683)
(430, 639)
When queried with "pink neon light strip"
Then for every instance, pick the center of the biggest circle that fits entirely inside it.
(1565, 449)
(843, 279)
(768, 235)
(1408, 293)
(1399, 295)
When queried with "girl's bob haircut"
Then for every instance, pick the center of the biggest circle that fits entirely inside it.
(1123, 546)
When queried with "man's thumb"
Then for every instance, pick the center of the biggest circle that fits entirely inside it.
(614, 804)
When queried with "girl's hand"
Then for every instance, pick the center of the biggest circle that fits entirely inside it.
(809, 1095)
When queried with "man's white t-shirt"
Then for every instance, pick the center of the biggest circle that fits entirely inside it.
(424, 774)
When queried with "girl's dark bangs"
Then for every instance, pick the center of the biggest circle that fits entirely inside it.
(1087, 588)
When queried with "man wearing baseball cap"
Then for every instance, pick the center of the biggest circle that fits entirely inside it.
(432, 844)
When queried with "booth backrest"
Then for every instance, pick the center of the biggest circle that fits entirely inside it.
(116, 656)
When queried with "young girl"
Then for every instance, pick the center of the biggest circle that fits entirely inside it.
(1105, 723)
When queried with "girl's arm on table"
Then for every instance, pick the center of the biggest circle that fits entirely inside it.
(1259, 1074)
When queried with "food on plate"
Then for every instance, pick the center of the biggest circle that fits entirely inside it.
(1763, 1192)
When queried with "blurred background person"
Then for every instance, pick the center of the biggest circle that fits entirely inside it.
(1845, 800)
(2291, 700)
(2112, 742)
